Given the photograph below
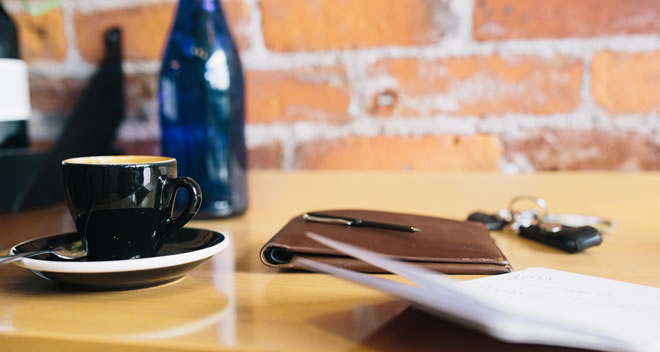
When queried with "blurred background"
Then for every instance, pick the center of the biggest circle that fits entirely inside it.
(489, 85)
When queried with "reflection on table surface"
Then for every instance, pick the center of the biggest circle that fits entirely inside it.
(235, 302)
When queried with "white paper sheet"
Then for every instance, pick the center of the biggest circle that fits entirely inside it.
(535, 305)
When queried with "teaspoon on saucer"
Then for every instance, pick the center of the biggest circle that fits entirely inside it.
(72, 250)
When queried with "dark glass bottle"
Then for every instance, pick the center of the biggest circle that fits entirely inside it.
(14, 90)
(201, 101)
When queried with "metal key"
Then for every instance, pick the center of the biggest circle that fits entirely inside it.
(572, 220)
(538, 224)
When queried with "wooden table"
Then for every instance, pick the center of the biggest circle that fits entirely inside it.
(233, 302)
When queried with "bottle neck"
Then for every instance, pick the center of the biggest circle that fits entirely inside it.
(200, 28)
(8, 36)
(193, 13)
(3, 12)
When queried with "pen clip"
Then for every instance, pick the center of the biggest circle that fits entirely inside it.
(330, 220)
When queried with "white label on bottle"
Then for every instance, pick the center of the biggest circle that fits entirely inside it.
(14, 90)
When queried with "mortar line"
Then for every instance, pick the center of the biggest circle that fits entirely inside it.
(88, 6)
(437, 125)
(260, 58)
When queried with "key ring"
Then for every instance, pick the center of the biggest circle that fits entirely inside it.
(552, 222)
(540, 203)
(527, 217)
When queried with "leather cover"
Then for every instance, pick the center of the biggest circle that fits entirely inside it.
(447, 246)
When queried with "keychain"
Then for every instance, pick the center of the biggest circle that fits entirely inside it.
(569, 232)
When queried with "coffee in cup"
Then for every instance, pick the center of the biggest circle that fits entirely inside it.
(122, 206)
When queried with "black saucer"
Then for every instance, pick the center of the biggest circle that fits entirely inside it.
(182, 251)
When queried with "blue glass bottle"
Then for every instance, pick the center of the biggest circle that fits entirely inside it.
(202, 106)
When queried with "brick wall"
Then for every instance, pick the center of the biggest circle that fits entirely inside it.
(509, 85)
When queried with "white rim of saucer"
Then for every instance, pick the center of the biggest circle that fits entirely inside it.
(113, 266)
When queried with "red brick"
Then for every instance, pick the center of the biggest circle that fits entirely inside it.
(266, 156)
(42, 37)
(238, 15)
(313, 94)
(627, 82)
(435, 153)
(587, 150)
(343, 24)
(144, 29)
(507, 19)
(476, 85)
(141, 96)
(58, 96)
(54, 96)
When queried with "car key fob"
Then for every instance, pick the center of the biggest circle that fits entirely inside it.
(567, 238)
(492, 222)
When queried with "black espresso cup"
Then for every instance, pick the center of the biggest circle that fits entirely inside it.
(122, 205)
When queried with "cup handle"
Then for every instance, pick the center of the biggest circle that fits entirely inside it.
(172, 185)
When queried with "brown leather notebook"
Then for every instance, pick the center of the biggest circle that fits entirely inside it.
(444, 245)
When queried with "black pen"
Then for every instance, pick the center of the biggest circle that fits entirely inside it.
(343, 220)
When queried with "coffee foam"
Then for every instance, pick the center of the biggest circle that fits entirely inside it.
(118, 160)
